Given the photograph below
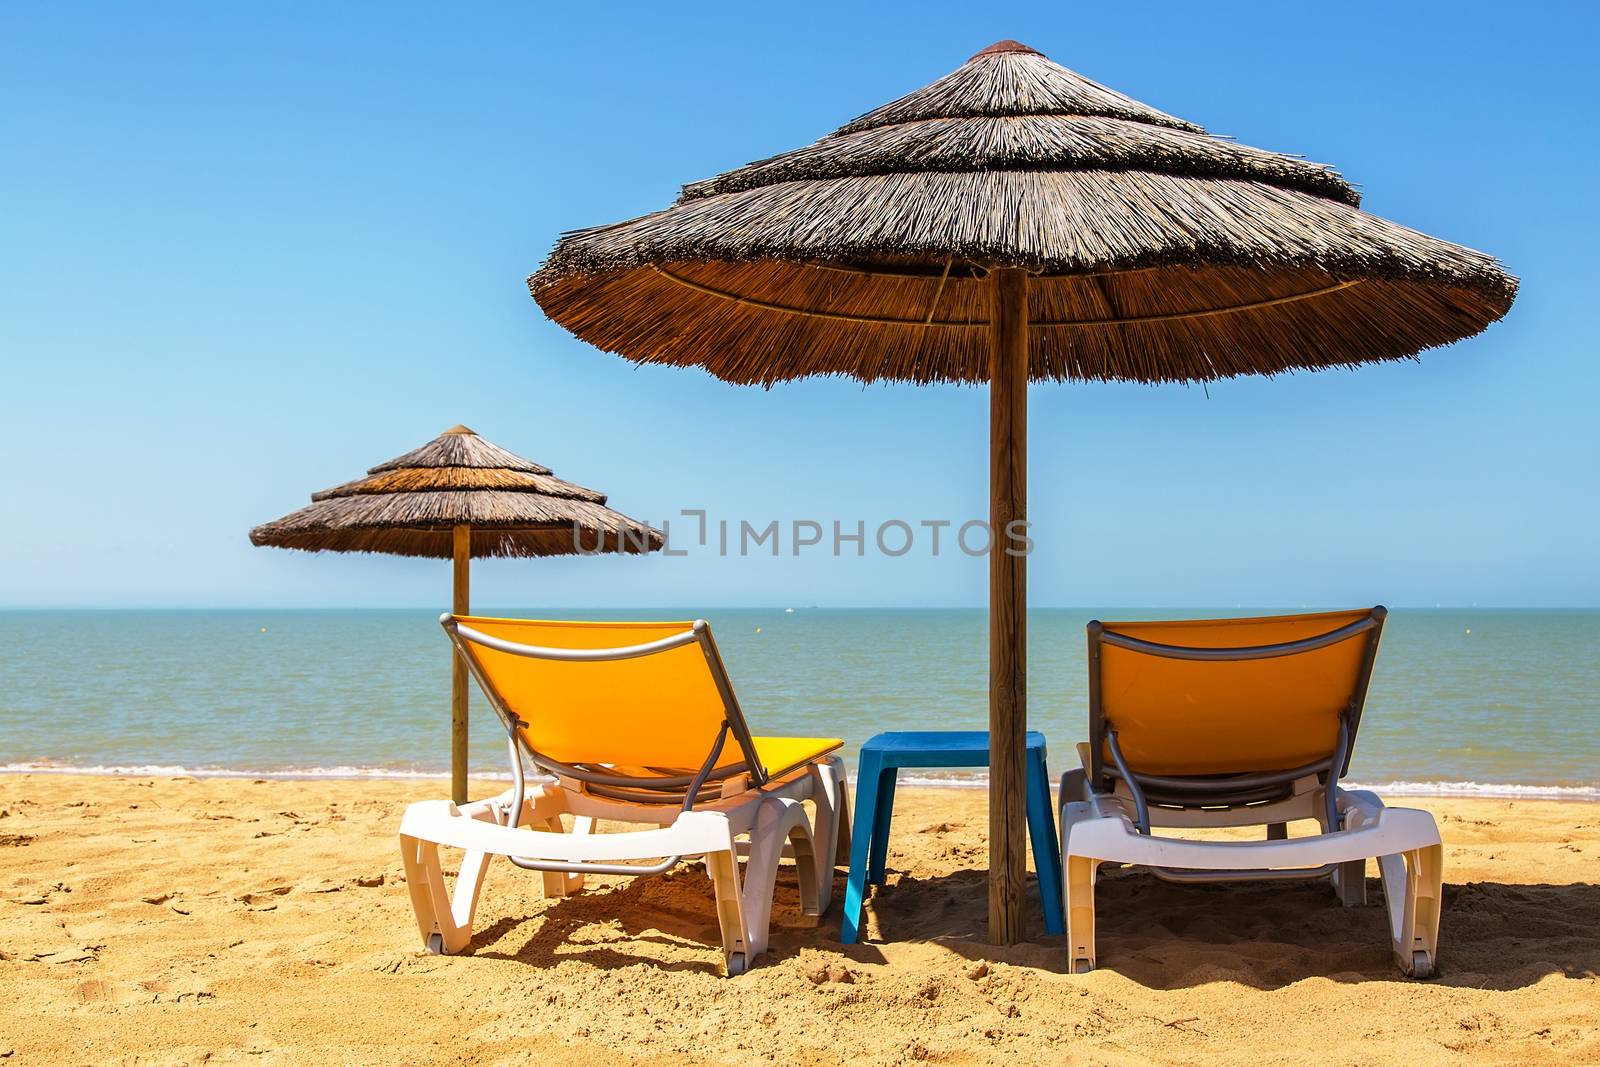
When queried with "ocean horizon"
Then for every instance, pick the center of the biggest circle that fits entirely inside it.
(1464, 701)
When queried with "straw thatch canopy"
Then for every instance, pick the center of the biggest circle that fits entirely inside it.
(1158, 252)
(410, 505)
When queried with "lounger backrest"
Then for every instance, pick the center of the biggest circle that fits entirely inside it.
(644, 696)
(1229, 696)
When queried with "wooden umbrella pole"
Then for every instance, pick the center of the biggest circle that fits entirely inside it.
(461, 538)
(1008, 602)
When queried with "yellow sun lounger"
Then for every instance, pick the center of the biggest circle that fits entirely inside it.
(634, 723)
(1240, 722)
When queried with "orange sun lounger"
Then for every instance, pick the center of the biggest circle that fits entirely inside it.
(634, 723)
(1240, 722)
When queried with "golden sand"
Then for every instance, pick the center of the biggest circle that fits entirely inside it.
(167, 921)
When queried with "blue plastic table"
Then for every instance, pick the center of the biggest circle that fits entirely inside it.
(884, 755)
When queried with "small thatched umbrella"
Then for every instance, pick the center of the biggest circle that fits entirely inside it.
(456, 497)
(1015, 220)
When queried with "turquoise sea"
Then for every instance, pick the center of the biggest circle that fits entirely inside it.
(1488, 701)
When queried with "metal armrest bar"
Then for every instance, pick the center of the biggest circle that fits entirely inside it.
(518, 782)
(1330, 793)
(574, 655)
(1242, 799)
(705, 768)
(639, 796)
(674, 784)
(623, 781)
(633, 870)
(1141, 810)
(1233, 783)
(1288, 648)
(1169, 790)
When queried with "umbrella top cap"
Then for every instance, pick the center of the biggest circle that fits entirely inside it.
(1007, 45)
(459, 429)
(1010, 80)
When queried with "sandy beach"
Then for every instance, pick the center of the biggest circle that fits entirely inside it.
(173, 921)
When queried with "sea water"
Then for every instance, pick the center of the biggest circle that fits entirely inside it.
(1492, 701)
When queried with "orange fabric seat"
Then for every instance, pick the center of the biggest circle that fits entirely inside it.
(644, 714)
(1237, 714)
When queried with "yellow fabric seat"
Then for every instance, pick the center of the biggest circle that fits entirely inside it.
(780, 755)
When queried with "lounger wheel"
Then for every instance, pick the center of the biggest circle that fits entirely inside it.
(737, 964)
(436, 944)
(1421, 965)
(1081, 966)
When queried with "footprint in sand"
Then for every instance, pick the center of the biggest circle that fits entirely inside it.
(27, 894)
(169, 899)
(84, 954)
(262, 901)
(93, 991)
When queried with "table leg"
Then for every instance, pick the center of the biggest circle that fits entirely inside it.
(1046, 846)
(868, 772)
(880, 824)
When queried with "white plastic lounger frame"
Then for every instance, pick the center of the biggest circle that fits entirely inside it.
(773, 820)
(1109, 812)
(690, 818)
(1096, 829)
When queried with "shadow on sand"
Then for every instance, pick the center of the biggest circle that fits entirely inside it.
(1165, 936)
(1162, 936)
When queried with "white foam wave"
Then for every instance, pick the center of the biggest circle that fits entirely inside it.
(173, 770)
(975, 780)
(1492, 790)
(1486, 790)
(959, 780)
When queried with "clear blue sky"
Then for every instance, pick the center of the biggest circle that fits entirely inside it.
(247, 251)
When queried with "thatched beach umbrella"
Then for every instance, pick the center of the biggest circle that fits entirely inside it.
(456, 497)
(1015, 220)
